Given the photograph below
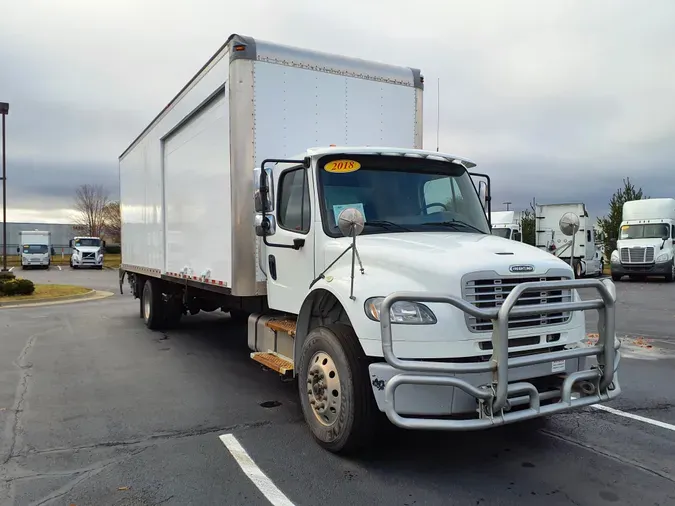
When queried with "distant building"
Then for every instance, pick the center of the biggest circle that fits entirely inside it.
(61, 235)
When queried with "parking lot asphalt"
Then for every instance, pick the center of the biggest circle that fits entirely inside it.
(97, 410)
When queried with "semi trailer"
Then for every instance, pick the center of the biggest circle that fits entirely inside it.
(368, 275)
(583, 252)
(645, 245)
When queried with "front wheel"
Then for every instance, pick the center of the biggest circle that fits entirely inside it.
(616, 277)
(670, 277)
(578, 271)
(335, 394)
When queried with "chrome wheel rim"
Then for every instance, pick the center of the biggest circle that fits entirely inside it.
(146, 307)
(323, 388)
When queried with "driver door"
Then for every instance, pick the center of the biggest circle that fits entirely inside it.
(290, 271)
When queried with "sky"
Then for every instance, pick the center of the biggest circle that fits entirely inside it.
(557, 100)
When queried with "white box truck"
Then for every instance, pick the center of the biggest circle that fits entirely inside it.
(506, 224)
(35, 248)
(645, 243)
(587, 259)
(226, 206)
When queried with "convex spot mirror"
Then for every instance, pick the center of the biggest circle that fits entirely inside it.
(569, 224)
(483, 193)
(351, 222)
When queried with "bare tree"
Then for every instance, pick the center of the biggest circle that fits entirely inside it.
(91, 202)
(113, 221)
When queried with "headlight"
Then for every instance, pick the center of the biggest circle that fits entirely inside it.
(663, 257)
(403, 312)
(615, 256)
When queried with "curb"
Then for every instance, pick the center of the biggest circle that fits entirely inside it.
(55, 300)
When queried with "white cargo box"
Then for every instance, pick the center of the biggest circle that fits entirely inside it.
(649, 209)
(186, 182)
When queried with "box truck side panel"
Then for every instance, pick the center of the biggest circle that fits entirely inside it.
(319, 109)
(141, 191)
(197, 194)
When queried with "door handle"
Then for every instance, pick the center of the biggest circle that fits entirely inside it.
(272, 262)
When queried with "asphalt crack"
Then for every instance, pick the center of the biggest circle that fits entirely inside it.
(19, 398)
(200, 431)
(607, 454)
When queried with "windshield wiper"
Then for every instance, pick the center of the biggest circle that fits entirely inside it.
(455, 224)
(386, 225)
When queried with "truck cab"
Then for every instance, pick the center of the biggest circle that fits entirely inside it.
(424, 255)
(645, 242)
(505, 224)
(87, 252)
(35, 249)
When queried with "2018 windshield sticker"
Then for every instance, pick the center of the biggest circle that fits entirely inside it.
(342, 166)
(338, 208)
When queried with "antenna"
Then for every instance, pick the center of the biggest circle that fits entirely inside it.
(438, 114)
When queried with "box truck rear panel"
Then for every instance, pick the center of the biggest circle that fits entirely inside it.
(187, 182)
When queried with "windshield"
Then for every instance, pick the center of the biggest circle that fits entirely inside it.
(400, 194)
(35, 248)
(502, 232)
(87, 242)
(647, 231)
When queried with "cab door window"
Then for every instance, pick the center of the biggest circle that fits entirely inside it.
(294, 208)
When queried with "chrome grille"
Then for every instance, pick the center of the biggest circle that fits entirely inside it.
(491, 293)
(637, 255)
(88, 255)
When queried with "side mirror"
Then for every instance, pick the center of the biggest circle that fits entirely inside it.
(104, 244)
(517, 236)
(70, 243)
(53, 252)
(264, 188)
(483, 193)
(18, 250)
(265, 225)
(569, 224)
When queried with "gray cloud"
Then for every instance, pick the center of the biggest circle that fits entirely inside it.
(556, 100)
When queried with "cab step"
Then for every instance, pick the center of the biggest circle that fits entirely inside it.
(285, 325)
(274, 361)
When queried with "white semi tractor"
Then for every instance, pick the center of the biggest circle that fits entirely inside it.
(645, 243)
(583, 250)
(478, 331)
(35, 248)
(87, 252)
(506, 224)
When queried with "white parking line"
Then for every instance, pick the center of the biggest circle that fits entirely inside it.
(11, 269)
(639, 418)
(59, 267)
(254, 473)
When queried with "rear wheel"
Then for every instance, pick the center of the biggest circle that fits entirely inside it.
(335, 394)
(152, 305)
(578, 271)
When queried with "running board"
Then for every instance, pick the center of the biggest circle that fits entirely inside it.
(274, 361)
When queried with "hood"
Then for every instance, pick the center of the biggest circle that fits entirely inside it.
(87, 249)
(433, 258)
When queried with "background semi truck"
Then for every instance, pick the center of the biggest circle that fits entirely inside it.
(587, 259)
(314, 244)
(645, 244)
(506, 224)
(87, 252)
(35, 248)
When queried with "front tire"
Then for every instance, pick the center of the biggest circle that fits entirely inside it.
(578, 272)
(335, 394)
(670, 277)
(616, 277)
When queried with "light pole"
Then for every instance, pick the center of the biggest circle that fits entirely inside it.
(4, 110)
(507, 204)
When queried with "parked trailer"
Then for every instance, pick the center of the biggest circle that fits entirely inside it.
(506, 224)
(587, 259)
(645, 245)
(225, 207)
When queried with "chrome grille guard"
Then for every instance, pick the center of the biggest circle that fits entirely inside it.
(492, 398)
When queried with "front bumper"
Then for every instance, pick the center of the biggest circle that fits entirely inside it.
(84, 262)
(660, 269)
(504, 389)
